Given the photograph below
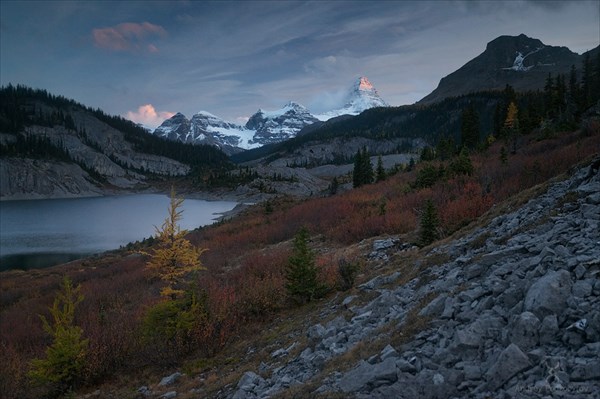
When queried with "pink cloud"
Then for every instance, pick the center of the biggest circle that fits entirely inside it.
(128, 36)
(148, 116)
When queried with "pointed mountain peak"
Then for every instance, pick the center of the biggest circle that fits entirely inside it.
(363, 84)
(178, 115)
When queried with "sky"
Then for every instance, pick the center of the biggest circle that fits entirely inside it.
(146, 60)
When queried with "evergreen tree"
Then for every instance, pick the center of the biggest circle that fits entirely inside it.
(469, 136)
(363, 170)
(511, 125)
(427, 154)
(367, 167)
(174, 257)
(357, 170)
(462, 165)
(380, 171)
(429, 224)
(301, 273)
(587, 82)
(65, 357)
(503, 155)
(445, 148)
(549, 96)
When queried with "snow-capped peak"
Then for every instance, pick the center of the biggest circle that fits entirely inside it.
(362, 97)
(264, 127)
(290, 106)
(363, 84)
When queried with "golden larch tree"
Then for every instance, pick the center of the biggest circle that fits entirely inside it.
(174, 257)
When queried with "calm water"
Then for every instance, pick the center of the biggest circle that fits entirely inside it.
(41, 233)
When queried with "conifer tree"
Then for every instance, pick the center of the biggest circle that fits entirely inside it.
(462, 164)
(356, 171)
(429, 224)
(469, 128)
(380, 171)
(511, 125)
(301, 273)
(367, 168)
(65, 357)
(174, 256)
(503, 155)
(363, 170)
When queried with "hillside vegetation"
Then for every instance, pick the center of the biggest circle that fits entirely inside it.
(102, 151)
(245, 284)
(130, 323)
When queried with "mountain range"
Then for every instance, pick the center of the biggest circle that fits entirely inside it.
(264, 127)
(519, 61)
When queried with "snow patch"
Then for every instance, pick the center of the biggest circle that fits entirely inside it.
(519, 59)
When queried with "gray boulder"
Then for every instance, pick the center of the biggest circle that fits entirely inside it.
(549, 294)
(510, 362)
(369, 376)
(524, 331)
(170, 380)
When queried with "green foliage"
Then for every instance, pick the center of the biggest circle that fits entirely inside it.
(363, 170)
(427, 154)
(469, 134)
(302, 275)
(461, 165)
(429, 224)
(380, 170)
(174, 321)
(347, 272)
(445, 148)
(503, 155)
(65, 357)
(428, 176)
(35, 147)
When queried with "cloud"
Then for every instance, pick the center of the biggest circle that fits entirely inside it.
(148, 116)
(128, 36)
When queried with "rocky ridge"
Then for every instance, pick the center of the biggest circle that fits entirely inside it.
(514, 312)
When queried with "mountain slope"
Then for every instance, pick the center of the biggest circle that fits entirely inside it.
(55, 147)
(509, 306)
(519, 61)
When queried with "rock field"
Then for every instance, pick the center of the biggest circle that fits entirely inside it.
(514, 313)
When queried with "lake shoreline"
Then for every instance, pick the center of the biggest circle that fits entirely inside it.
(35, 232)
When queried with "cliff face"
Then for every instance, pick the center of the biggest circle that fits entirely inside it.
(30, 179)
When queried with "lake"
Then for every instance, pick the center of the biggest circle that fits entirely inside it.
(42, 233)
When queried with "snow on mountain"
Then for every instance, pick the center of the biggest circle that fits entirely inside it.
(279, 125)
(264, 127)
(520, 58)
(519, 61)
(206, 128)
(362, 97)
